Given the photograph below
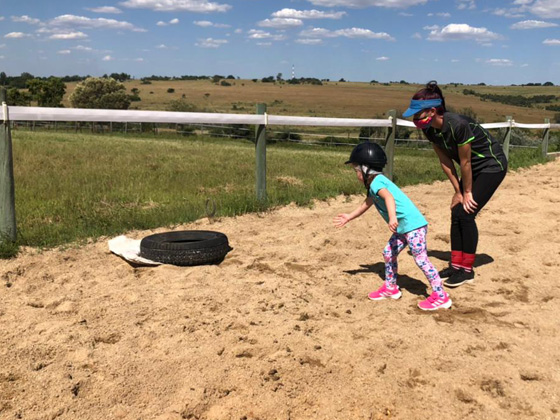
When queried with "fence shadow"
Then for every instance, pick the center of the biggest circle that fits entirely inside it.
(414, 286)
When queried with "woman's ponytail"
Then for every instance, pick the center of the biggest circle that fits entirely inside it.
(431, 91)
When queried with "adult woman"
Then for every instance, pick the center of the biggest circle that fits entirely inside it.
(483, 166)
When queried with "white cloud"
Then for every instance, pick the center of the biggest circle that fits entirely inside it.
(532, 24)
(307, 14)
(25, 19)
(309, 41)
(524, 65)
(82, 48)
(509, 13)
(16, 35)
(107, 58)
(264, 44)
(348, 33)
(203, 23)
(2, 45)
(555, 42)
(454, 60)
(501, 62)
(73, 21)
(171, 22)
(139, 60)
(443, 15)
(1, 56)
(431, 28)
(211, 43)
(416, 35)
(259, 34)
(198, 6)
(382, 58)
(546, 9)
(523, 2)
(280, 23)
(207, 23)
(405, 14)
(162, 47)
(360, 4)
(105, 9)
(64, 52)
(1, 18)
(69, 35)
(461, 31)
(466, 4)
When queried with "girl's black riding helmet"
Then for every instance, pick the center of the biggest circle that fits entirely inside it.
(368, 154)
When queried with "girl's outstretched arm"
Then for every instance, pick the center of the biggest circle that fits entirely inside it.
(343, 218)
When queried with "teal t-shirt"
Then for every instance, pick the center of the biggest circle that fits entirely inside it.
(408, 215)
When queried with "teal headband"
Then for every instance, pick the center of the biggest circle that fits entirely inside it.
(417, 105)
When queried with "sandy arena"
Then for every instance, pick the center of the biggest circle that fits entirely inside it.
(283, 329)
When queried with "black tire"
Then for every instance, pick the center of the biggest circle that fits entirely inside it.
(186, 247)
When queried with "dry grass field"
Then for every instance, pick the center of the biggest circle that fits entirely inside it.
(333, 99)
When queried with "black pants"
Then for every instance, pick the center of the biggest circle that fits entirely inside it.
(464, 233)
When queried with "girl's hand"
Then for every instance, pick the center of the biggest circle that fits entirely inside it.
(393, 224)
(468, 203)
(341, 219)
(457, 198)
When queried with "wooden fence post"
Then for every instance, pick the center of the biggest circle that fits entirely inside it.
(507, 137)
(390, 144)
(7, 190)
(545, 139)
(260, 145)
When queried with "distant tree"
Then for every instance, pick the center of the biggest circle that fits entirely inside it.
(342, 79)
(47, 92)
(544, 84)
(230, 77)
(269, 79)
(170, 90)
(373, 82)
(135, 97)
(279, 77)
(3, 79)
(16, 97)
(255, 80)
(100, 93)
(181, 105)
(225, 83)
(216, 78)
(482, 84)
(121, 77)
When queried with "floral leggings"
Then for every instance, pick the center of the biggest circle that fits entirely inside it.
(416, 240)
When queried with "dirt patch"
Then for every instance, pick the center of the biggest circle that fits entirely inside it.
(283, 329)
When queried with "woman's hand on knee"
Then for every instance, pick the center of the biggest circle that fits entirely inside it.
(469, 204)
(456, 199)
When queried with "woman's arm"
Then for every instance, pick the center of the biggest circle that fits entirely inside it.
(449, 170)
(466, 178)
(391, 208)
(343, 218)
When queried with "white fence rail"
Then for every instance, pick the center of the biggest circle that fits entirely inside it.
(20, 113)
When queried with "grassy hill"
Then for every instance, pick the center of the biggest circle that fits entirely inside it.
(333, 99)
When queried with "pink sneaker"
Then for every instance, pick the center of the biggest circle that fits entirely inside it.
(435, 302)
(384, 292)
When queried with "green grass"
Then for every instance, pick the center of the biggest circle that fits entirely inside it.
(70, 187)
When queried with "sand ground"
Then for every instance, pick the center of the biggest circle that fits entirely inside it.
(283, 329)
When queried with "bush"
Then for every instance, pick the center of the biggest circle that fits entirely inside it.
(100, 93)
(224, 83)
(170, 90)
(181, 105)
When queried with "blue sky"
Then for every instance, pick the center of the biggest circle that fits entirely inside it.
(468, 41)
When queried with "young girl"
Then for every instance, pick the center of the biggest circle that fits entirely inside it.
(483, 167)
(404, 220)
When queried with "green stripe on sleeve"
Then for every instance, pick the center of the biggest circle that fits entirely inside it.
(466, 142)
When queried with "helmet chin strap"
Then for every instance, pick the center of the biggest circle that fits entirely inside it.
(366, 171)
